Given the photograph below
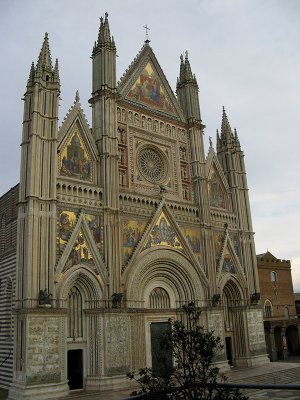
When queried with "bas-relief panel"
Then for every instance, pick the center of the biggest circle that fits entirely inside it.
(43, 351)
(256, 331)
(148, 90)
(216, 193)
(117, 345)
(80, 252)
(163, 234)
(75, 161)
(132, 232)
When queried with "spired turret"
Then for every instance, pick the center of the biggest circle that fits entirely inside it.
(36, 242)
(37, 193)
(231, 158)
(103, 102)
(187, 91)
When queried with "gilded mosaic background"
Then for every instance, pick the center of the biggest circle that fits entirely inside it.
(132, 232)
(80, 252)
(148, 90)
(163, 234)
(74, 159)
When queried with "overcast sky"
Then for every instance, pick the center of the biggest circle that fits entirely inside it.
(245, 54)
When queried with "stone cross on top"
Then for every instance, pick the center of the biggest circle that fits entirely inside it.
(147, 37)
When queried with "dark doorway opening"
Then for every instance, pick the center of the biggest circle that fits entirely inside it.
(75, 369)
(161, 354)
(228, 345)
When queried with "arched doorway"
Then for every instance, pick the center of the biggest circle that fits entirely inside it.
(292, 339)
(234, 323)
(82, 292)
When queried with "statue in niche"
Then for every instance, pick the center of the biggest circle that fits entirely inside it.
(44, 298)
(116, 300)
(130, 117)
(149, 122)
(118, 114)
(136, 119)
(143, 122)
(123, 115)
(155, 126)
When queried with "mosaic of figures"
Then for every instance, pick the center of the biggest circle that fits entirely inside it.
(148, 90)
(228, 264)
(217, 196)
(163, 234)
(67, 222)
(236, 244)
(74, 159)
(80, 253)
(218, 238)
(141, 121)
(219, 243)
(132, 232)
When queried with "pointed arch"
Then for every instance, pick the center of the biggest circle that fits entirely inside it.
(89, 284)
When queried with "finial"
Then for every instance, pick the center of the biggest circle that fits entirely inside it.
(147, 37)
(77, 98)
(106, 16)
(186, 54)
(181, 57)
(210, 141)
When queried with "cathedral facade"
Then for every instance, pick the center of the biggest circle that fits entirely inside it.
(117, 226)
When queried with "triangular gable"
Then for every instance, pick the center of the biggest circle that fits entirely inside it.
(229, 263)
(163, 231)
(145, 84)
(81, 248)
(77, 151)
(217, 183)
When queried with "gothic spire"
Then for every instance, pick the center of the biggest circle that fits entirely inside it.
(185, 74)
(188, 70)
(225, 126)
(104, 37)
(44, 60)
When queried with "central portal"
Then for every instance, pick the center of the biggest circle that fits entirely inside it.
(161, 355)
(75, 369)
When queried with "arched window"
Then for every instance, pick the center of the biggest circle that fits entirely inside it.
(274, 277)
(159, 298)
(286, 313)
(75, 327)
(268, 309)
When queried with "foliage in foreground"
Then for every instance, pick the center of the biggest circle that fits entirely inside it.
(194, 376)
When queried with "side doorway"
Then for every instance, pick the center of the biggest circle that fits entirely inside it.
(75, 369)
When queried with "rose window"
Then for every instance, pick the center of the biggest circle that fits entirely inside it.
(152, 165)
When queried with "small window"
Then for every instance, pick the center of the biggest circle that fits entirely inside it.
(268, 309)
(274, 276)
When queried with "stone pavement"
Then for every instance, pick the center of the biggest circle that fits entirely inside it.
(275, 372)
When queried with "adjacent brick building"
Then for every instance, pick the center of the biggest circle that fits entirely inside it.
(277, 297)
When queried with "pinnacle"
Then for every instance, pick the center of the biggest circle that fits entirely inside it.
(185, 74)
(44, 60)
(104, 37)
(225, 127)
